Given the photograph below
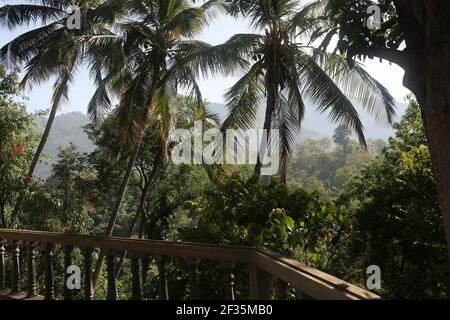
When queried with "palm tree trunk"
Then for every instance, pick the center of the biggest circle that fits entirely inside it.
(131, 231)
(27, 181)
(272, 94)
(126, 178)
(267, 127)
(140, 210)
(118, 205)
(283, 173)
(272, 86)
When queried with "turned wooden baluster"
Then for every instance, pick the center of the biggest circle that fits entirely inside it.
(2, 266)
(88, 284)
(193, 278)
(228, 279)
(15, 275)
(136, 278)
(163, 285)
(111, 270)
(67, 263)
(32, 291)
(49, 273)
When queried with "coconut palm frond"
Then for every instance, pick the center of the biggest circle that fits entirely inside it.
(243, 100)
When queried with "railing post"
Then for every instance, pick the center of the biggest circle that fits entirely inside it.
(193, 278)
(2, 266)
(67, 263)
(136, 279)
(228, 279)
(259, 284)
(163, 285)
(49, 274)
(32, 269)
(88, 285)
(15, 275)
(111, 270)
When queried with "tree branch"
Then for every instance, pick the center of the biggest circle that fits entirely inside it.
(398, 57)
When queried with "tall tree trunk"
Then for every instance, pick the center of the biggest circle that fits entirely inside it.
(117, 206)
(140, 210)
(126, 178)
(27, 181)
(131, 231)
(426, 61)
(267, 127)
(437, 103)
(271, 84)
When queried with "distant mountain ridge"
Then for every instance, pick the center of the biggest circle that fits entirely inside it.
(68, 127)
(317, 125)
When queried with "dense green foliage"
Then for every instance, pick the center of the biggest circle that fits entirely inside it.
(319, 165)
(397, 220)
(340, 205)
(387, 215)
(16, 144)
(239, 211)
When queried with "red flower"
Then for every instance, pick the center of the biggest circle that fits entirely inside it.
(68, 228)
(89, 194)
(18, 149)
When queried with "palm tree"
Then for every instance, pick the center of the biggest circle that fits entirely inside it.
(52, 50)
(152, 59)
(285, 73)
(183, 113)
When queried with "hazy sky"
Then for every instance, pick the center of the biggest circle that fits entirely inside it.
(221, 30)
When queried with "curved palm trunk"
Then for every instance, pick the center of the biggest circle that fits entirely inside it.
(140, 210)
(283, 172)
(126, 179)
(56, 103)
(272, 98)
(267, 127)
(132, 230)
(117, 206)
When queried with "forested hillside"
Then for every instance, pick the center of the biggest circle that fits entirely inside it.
(68, 128)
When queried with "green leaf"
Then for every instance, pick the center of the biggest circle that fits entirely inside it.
(290, 223)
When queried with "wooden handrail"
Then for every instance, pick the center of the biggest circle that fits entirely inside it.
(156, 247)
(263, 264)
(313, 282)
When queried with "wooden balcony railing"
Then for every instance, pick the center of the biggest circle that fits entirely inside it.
(269, 272)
